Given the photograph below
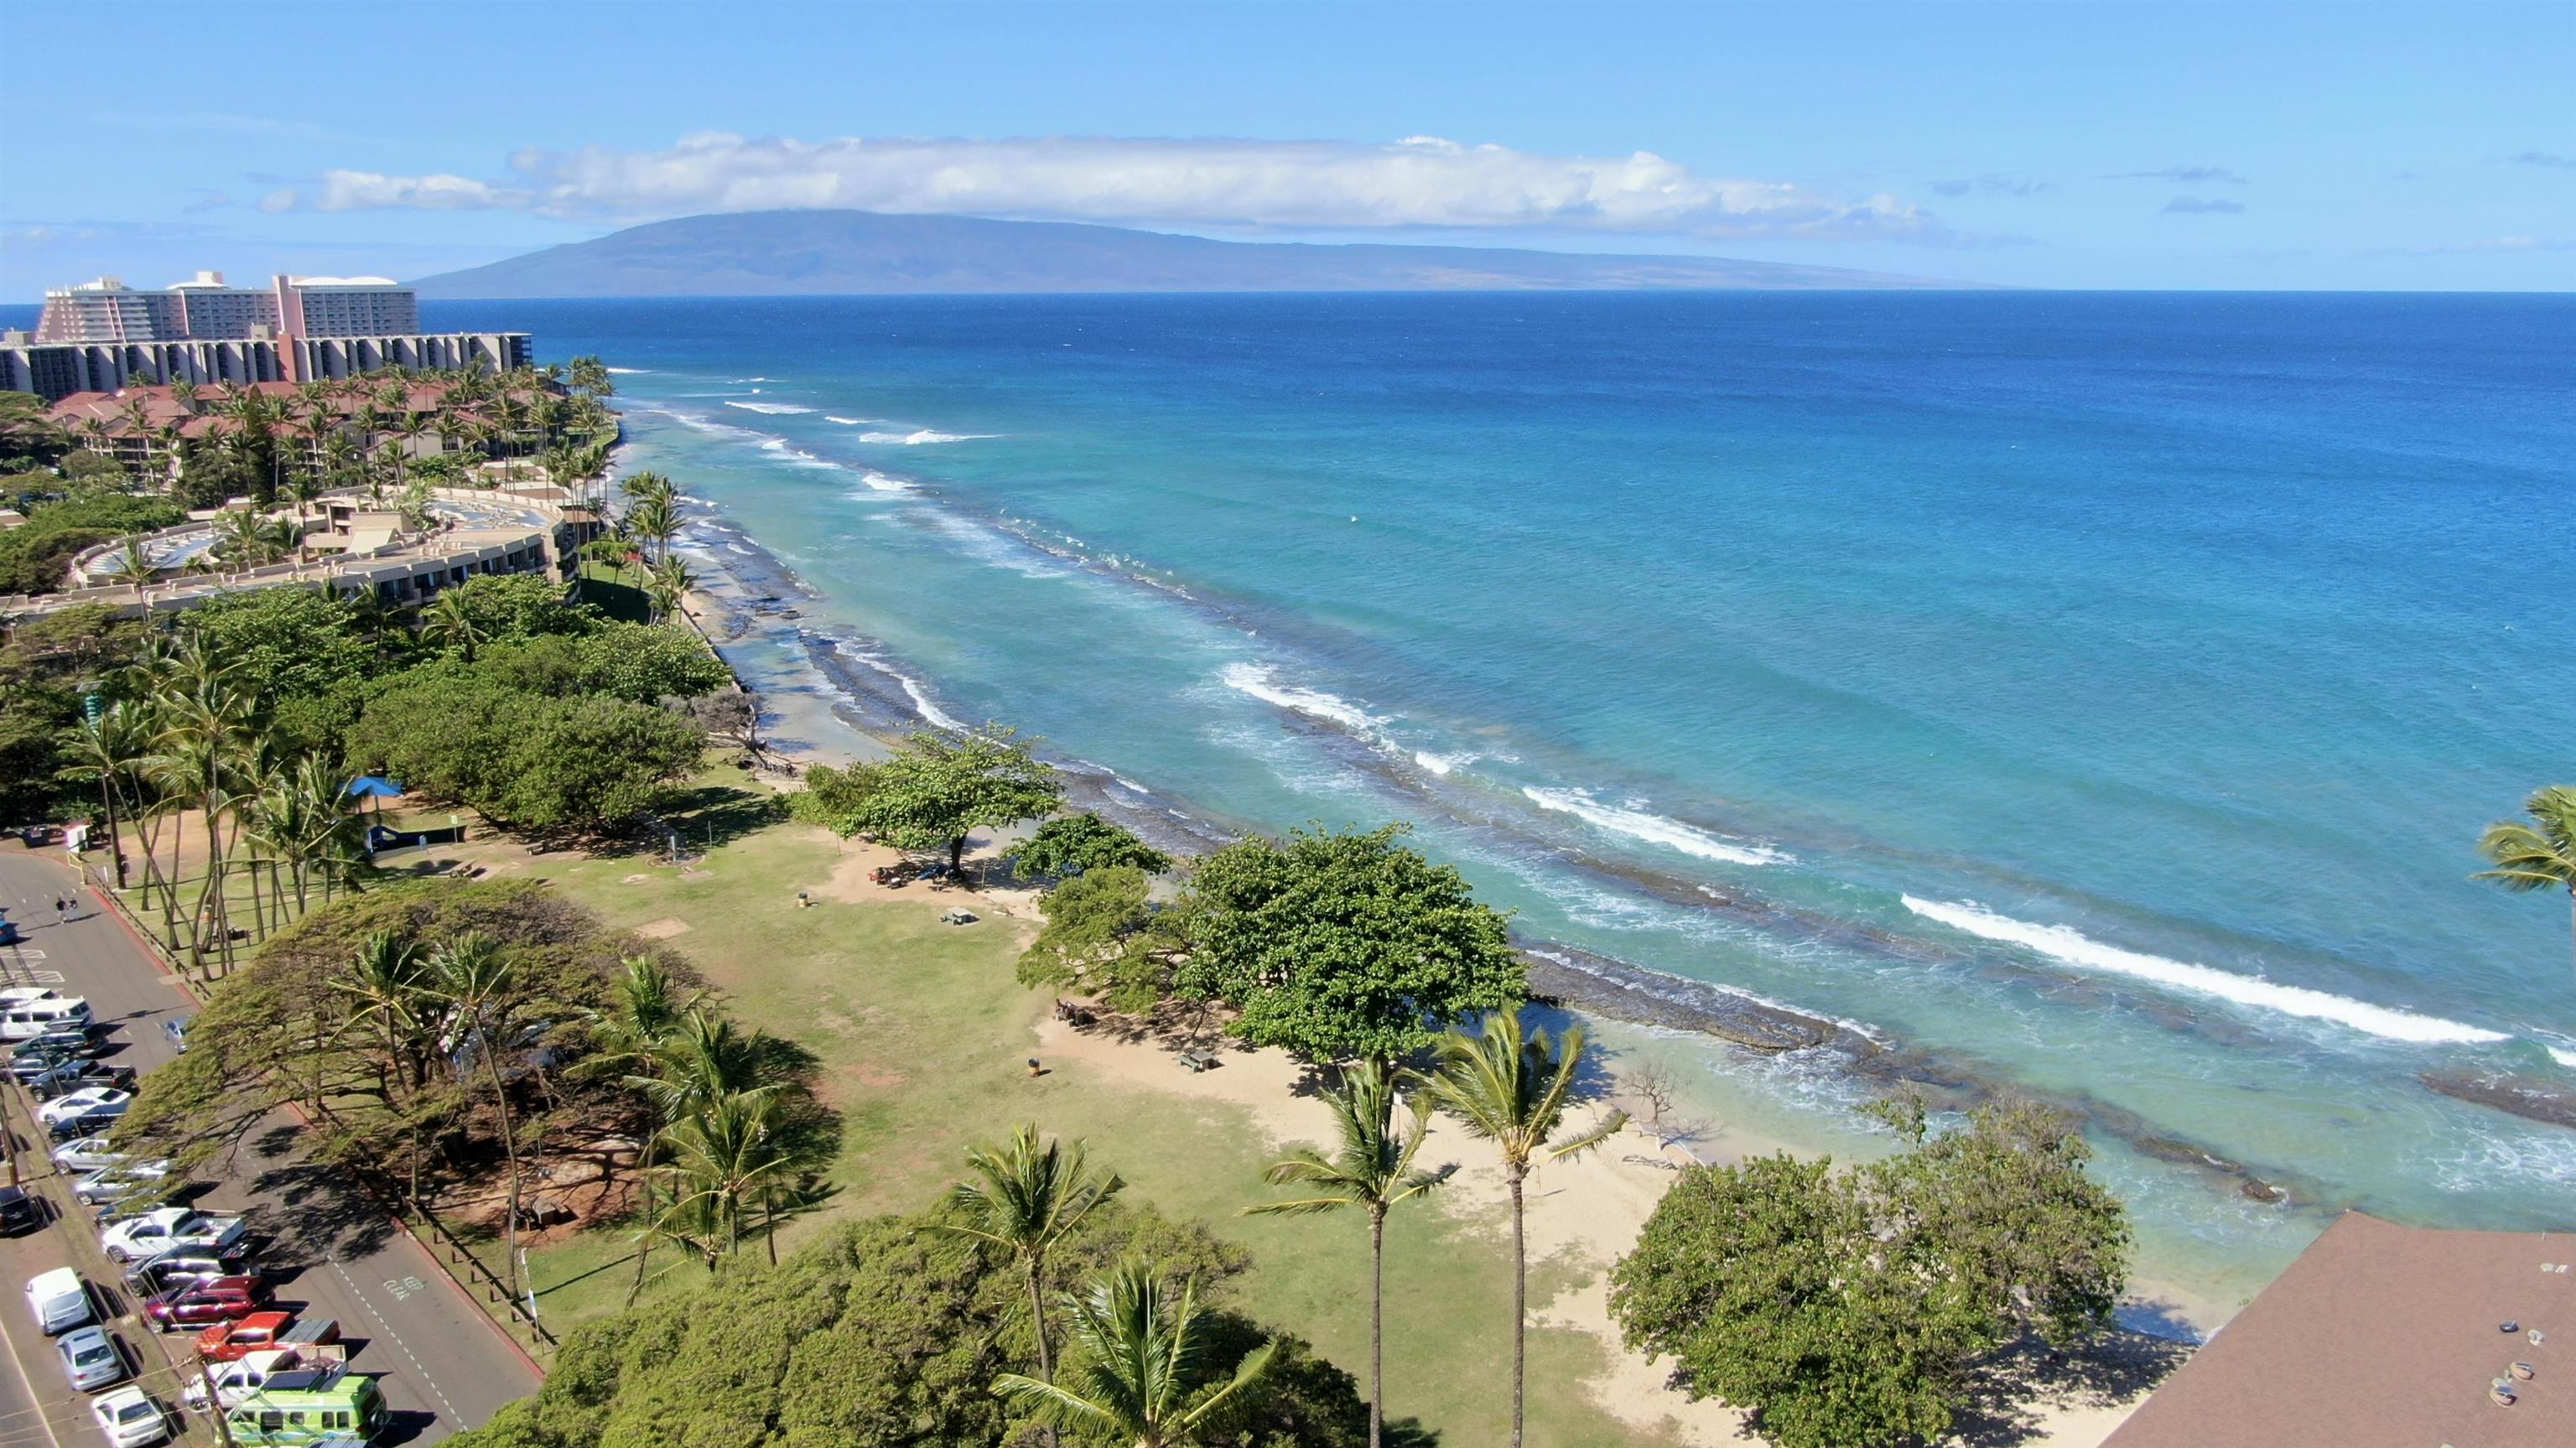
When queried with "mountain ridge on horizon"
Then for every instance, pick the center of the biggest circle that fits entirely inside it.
(839, 252)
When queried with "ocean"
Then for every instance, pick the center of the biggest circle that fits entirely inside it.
(2095, 697)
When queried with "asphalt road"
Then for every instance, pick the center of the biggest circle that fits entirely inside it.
(330, 1253)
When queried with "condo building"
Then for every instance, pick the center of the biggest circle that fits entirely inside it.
(103, 335)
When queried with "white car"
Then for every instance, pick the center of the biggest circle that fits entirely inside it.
(164, 1228)
(87, 1154)
(101, 1103)
(60, 1301)
(130, 1418)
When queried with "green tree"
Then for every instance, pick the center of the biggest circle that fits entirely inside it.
(727, 1157)
(2540, 855)
(1102, 936)
(1855, 1306)
(1513, 1088)
(1136, 1378)
(1342, 945)
(1371, 1169)
(1071, 844)
(934, 792)
(282, 643)
(1027, 1197)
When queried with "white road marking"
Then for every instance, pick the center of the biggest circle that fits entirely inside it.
(418, 1367)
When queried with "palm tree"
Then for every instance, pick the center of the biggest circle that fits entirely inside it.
(657, 519)
(1373, 1170)
(631, 1039)
(1031, 1196)
(134, 564)
(1512, 1089)
(387, 985)
(728, 1156)
(471, 977)
(2529, 859)
(448, 622)
(668, 584)
(196, 753)
(1136, 1377)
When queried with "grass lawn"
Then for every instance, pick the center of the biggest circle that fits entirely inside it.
(922, 1033)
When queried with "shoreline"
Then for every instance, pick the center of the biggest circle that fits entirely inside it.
(852, 706)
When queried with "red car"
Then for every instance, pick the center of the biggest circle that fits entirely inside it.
(226, 1341)
(202, 1304)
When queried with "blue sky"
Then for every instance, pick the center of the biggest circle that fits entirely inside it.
(2242, 146)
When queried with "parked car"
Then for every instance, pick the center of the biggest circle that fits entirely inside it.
(87, 1153)
(84, 1111)
(8, 930)
(92, 1358)
(60, 1301)
(159, 1230)
(203, 1304)
(80, 1074)
(130, 1418)
(258, 1332)
(76, 1041)
(177, 1268)
(176, 1028)
(27, 1012)
(26, 1066)
(116, 1183)
(19, 1212)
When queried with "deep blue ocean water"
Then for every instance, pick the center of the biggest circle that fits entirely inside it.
(2105, 691)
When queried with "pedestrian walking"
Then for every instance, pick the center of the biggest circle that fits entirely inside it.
(63, 908)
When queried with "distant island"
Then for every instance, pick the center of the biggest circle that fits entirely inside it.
(814, 253)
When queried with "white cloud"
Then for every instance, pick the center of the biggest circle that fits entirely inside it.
(1421, 181)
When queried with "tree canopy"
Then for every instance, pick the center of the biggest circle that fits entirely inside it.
(886, 1334)
(1102, 937)
(1071, 844)
(583, 763)
(933, 792)
(1342, 945)
(1852, 1307)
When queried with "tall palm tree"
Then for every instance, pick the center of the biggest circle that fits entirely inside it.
(668, 584)
(470, 977)
(1028, 1197)
(1372, 1170)
(1512, 1088)
(657, 519)
(204, 723)
(630, 1039)
(134, 564)
(2529, 859)
(1136, 1379)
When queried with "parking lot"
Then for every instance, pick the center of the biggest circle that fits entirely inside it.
(325, 1250)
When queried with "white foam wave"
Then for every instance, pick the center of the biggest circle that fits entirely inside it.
(778, 448)
(1653, 828)
(1126, 783)
(778, 409)
(628, 371)
(844, 421)
(2062, 943)
(1442, 764)
(739, 380)
(2562, 1056)
(1260, 681)
(917, 438)
(912, 689)
(746, 552)
(884, 484)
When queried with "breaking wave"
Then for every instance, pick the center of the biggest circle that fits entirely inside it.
(1637, 824)
(2061, 943)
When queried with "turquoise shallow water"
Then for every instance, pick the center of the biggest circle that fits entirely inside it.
(2102, 692)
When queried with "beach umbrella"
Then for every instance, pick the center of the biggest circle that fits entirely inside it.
(375, 787)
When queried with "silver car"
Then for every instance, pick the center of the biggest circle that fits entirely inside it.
(91, 1358)
(89, 1153)
(116, 1183)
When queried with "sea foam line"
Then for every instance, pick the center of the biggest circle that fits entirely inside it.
(2062, 943)
(781, 409)
(1260, 681)
(918, 437)
(1654, 828)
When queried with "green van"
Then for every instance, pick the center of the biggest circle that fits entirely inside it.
(306, 1408)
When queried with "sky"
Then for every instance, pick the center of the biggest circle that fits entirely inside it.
(2242, 146)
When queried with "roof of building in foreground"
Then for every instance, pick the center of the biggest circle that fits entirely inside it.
(2382, 1334)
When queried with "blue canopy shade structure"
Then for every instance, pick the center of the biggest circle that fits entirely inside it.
(375, 786)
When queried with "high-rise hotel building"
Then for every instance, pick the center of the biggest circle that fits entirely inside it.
(99, 336)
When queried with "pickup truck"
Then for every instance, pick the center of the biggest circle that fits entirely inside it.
(167, 1227)
(317, 1338)
(230, 1383)
(76, 1074)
